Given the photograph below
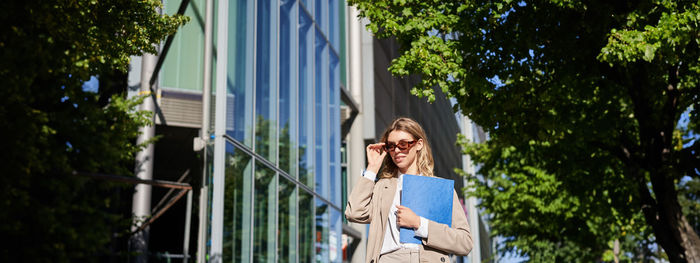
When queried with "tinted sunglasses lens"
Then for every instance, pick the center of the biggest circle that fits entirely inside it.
(389, 147)
(402, 145)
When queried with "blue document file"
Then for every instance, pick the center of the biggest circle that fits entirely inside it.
(429, 197)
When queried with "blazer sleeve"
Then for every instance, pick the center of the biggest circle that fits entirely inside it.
(455, 240)
(359, 207)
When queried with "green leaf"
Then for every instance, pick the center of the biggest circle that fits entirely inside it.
(649, 53)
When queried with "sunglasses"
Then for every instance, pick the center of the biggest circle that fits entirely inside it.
(402, 145)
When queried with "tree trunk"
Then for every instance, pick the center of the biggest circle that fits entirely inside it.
(673, 232)
(656, 124)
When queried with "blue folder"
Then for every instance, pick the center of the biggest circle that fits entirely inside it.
(429, 197)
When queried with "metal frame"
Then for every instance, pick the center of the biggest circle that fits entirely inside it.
(156, 212)
(268, 164)
(204, 134)
(346, 97)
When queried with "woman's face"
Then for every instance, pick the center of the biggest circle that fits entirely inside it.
(403, 149)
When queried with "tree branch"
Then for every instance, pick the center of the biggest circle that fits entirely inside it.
(669, 113)
(648, 203)
(621, 152)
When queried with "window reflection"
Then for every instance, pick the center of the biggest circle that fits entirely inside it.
(321, 14)
(287, 88)
(237, 200)
(287, 239)
(283, 102)
(321, 115)
(305, 109)
(239, 100)
(333, 27)
(265, 104)
(335, 236)
(265, 211)
(306, 227)
(322, 246)
(334, 126)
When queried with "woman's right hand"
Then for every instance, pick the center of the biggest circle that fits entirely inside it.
(375, 157)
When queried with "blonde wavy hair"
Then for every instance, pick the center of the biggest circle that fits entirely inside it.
(424, 156)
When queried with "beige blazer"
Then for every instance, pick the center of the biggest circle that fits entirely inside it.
(369, 203)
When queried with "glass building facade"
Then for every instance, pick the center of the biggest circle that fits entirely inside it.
(275, 171)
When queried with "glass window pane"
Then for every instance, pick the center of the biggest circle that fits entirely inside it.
(333, 30)
(287, 83)
(308, 5)
(340, 46)
(305, 112)
(239, 100)
(334, 130)
(237, 202)
(306, 227)
(265, 82)
(322, 227)
(287, 247)
(321, 115)
(321, 15)
(183, 66)
(335, 236)
(264, 233)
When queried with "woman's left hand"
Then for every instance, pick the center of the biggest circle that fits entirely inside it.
(405, 217)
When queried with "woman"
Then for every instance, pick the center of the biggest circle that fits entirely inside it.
(378, 203)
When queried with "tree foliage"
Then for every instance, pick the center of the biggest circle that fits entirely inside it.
(52, 126)
(581, 100)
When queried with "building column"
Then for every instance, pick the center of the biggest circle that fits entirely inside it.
(360, 63)
(204, 132)
(219, 163)
(471, 202)
(141, 202)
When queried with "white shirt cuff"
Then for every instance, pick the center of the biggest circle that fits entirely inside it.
(422, 231)
(369, 175)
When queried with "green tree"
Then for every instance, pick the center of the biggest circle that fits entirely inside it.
(581, 100)
(51, 126)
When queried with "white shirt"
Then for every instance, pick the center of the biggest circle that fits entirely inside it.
(391, 236)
